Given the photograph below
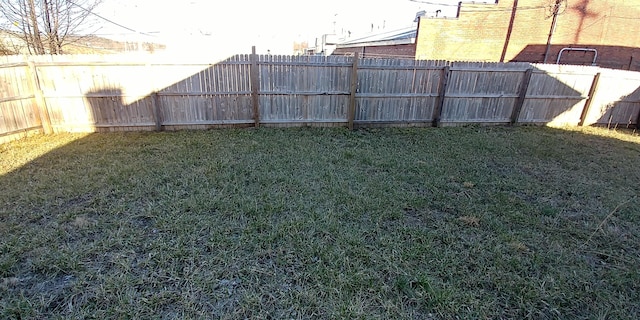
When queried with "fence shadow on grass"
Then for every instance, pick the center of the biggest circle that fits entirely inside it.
(90, 218)
(85, 213)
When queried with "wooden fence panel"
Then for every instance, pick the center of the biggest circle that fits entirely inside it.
(208, 95)
(516, 66)
(81, 96)
(396, 91)
(481, 93)
(303, 89)
(62, 87)
(557, 94)
(18, 116)
(18, 110)
(86, 93)
(617, 100)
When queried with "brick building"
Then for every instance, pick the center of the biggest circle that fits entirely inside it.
(399, 43)
(512, 30)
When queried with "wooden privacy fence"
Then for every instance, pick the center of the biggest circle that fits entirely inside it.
(88, 93)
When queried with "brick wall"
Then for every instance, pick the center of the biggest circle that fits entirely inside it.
(394, 51)
(480, 31)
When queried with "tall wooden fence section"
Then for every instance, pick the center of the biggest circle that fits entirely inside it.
(397, 91)
(303, 90)
(19, 112)
(90, 93)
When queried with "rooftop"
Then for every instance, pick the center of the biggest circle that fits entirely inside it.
(398, 36)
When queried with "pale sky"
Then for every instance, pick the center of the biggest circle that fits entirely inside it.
(234, 26)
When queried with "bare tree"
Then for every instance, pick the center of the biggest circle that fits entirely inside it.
(46, 26)
(5, 50)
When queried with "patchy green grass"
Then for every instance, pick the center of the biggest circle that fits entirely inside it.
(515, 223)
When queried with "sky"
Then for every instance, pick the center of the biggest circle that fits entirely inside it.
(192, 26)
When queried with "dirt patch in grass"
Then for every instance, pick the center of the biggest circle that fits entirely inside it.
(470, 221)
(322, 223)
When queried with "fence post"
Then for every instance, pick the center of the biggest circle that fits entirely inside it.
(255, 83)
(587, 104)
(41, 104)
(638, 121)
(437, 110)
(351, 114)
(157, 113)
(522, 95)
(155, 99)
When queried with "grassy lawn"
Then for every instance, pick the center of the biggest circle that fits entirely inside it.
(515, 223)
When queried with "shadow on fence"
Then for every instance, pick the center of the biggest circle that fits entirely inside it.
(335, 91)
(607, 56)
(614, 114)
(253, 90)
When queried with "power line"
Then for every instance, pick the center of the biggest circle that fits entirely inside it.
(506, 9)
(444, 4)
(571, 31)
(108, 20)
(435, 3)
(627, 18)
(475, 7)
(478, 7)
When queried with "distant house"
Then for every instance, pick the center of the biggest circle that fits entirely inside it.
(399, 43)
(324, 46)
(12, 43)
(300, 48)
(510, 30)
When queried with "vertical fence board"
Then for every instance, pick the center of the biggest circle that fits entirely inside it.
(353, 91)
(442, 90)
(522, 95)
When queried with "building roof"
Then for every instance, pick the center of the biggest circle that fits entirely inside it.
(399, 36)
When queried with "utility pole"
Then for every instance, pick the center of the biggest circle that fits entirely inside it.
(554, 19)
(509, 30)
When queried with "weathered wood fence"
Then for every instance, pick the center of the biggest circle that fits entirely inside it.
(88, 93)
